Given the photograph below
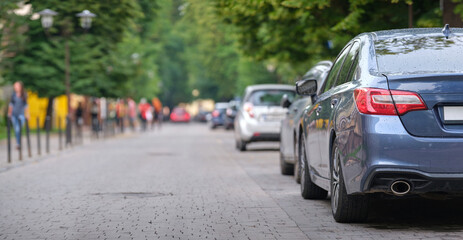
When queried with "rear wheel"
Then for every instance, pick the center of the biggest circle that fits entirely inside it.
(309, 190)
(286, 168)
(345, 208)
(297, 164)
(241, 145)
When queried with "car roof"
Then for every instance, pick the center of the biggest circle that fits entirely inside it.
(220, 105)
(252, 88)
(413, 32)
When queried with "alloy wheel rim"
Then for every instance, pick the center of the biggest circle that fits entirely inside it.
(335, 181)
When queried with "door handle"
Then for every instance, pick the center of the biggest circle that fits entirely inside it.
(334, 102)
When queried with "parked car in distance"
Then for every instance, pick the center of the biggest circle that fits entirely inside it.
(230, 114)
(388, 120)
(201, 116)
(260, 114)
(179, 114)
(218, 115)
(289, 132)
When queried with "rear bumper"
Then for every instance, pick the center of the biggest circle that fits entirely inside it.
(266, 137)
(253, 131)
(380, 180)
(384, 146)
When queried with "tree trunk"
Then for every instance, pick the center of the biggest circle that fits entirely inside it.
(448, 16)
(49, 113)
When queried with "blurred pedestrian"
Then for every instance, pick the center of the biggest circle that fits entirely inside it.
(79, 119)
(18, 110)
(94, 111)
(131, 112)
(145, 113)
(79, 114)
(103, 114)
(157, 105)
(120, 114)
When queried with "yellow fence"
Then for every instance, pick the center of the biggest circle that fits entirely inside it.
(38, 108)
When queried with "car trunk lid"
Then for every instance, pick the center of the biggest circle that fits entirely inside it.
(443, 96)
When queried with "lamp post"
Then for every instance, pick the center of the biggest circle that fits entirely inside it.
(85, 16)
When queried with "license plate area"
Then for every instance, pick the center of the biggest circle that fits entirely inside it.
(453, 114)
(271, 118)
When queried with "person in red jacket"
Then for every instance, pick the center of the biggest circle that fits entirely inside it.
(145, 113)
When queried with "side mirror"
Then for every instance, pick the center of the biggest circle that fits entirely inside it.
(285, 103)
(306, 87)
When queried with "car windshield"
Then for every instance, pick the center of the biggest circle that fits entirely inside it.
(419, 55)
(270, 97)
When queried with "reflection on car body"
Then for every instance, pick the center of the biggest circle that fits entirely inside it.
(290, 125)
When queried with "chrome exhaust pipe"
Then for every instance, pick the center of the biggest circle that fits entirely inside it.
(400, 187)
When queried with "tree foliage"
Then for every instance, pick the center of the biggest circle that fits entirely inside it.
(302, 32)
(167, 48)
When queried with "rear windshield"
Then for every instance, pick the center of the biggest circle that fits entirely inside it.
(179, 111)
(420, 55)
(269, 97)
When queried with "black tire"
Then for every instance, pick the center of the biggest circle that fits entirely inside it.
(345, 208)
(309, 190)
(286, 168)
(241, 145)
(297, 164)
(213, 126)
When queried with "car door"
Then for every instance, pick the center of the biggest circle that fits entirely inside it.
(339, 94)
(321, 118)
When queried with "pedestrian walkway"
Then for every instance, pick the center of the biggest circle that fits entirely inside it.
(55, 147)
(158, 185)
(188, 182)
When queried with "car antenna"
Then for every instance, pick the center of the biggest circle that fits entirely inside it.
(446, 31)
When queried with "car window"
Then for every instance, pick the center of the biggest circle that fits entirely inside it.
(419, 55)
(331, 79)
(270, 97)
(347, 67)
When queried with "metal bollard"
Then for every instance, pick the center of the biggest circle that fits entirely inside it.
(8, 130)
(20, 140)
(28, 138)
(47, 129)
(60, 134)
(68, 131)
(39, 150)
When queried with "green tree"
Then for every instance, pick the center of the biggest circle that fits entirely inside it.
(298, 33)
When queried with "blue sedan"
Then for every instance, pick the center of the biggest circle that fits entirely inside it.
(388, 120)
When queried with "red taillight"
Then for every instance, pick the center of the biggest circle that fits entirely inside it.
(248, 108)
(380, 101)
(215, 113)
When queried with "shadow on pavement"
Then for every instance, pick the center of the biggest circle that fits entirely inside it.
(262, 149)
(419, 213)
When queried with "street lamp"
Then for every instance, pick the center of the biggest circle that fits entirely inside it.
(86, 22)
(47, 18)
(86, 19)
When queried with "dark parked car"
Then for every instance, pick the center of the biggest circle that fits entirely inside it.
(388, 119)
(230, 114)
(202, 116)
(290, 125)
(218, 115)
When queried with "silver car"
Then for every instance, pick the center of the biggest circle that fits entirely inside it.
(290, 125)
(260, 114)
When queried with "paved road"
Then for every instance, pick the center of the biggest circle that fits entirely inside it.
(187, 182)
